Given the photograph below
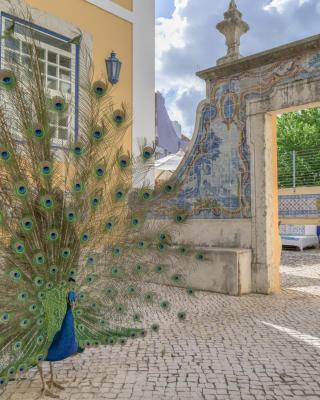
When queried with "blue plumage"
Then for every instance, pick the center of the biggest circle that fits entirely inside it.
(64, 343)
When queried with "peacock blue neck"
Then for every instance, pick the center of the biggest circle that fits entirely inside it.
(64, 343)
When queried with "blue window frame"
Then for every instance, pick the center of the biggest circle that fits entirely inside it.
(59, 61)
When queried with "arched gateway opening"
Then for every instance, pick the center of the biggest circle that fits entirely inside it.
(229, 175)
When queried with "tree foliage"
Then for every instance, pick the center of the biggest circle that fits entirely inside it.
(299, 132)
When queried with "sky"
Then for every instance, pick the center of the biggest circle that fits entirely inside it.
(187, 41)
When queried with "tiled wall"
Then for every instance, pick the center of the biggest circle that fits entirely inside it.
(299, 206)
(215, 176)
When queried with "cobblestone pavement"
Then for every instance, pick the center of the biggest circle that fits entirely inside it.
(251, 348)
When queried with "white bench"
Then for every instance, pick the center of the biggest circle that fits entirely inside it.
(300, 236)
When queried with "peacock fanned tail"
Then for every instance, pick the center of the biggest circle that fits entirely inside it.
(72, 219)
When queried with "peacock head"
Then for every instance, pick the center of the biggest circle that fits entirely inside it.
(72, 295)
(72, 298)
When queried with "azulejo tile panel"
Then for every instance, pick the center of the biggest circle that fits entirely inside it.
(215, 178)
(305, 205)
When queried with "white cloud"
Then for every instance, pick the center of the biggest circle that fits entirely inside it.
(170, 31)
(188, 42)
(281, 5)
(171, 35)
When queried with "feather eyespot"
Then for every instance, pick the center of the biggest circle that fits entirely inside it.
(78, 187)
(138, 268)
(7, 79)
(158, 268)
(182, 315)
(65, 253)
(78, 150)
(100, 172)
(59, 104)
(117, 251)
(39, 259)
(85, 237)
(136, 317)
(161, 246)
(147, 153)
(124, 161)
(5, 155)
(17, 346)
(118, 117)
(176, 278)
(97, 134)
(155, 328)
(26, 224)
(37, 132)
(23, 296)
(53, 235)
(168, 188)
(149, 297)
(108, 226)
(5, 317)
(15, 275)
(90, 279)
(19, 248)
(38, 281)
(46, 169)
(110, 292)
(53, 270)
(135, 221)
(71, 216)
(3, 380)
(21, 190)
(99, 88)
(90, 260)
(164, 305)
(95, 202)
(47, 202)
(132, 290)
(33, 307)
(120, 194)
(12, 371)
(25, 323)
(200, 256)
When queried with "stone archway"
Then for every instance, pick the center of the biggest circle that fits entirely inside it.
(229, 176)
(261, 122)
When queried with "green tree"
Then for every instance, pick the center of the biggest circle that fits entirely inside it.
(300, 132)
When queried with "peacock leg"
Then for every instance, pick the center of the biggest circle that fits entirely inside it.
(52, 382)
(44, 390)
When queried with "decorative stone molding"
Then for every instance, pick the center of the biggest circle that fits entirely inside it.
(232, 27)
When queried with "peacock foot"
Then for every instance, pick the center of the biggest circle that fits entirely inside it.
(55, 384)
(45, 392)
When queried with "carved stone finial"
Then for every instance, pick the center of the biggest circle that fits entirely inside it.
(232, 27)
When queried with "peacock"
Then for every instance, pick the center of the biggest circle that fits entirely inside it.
(81, 241)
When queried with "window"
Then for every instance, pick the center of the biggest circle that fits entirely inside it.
(58, 66)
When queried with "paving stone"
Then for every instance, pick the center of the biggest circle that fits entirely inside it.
(230, 348)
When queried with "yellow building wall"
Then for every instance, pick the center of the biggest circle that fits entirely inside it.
(108, 33)
(124, 3)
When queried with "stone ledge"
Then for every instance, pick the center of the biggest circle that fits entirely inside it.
(228, 271)
(263, 58)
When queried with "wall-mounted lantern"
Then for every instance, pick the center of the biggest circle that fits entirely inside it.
(113, 65)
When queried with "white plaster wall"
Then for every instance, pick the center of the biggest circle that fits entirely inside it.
(143, 72)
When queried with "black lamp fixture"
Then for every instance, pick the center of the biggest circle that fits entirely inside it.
(113, 65)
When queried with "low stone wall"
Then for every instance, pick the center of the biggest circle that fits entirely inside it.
(225, 271)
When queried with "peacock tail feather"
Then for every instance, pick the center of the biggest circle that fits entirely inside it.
(72, 219)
